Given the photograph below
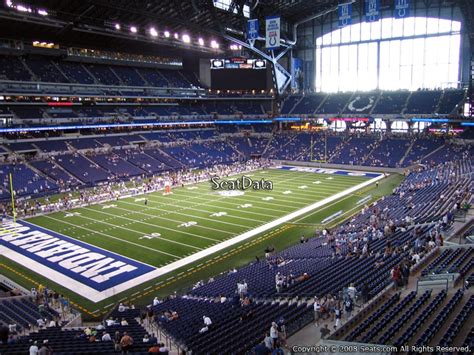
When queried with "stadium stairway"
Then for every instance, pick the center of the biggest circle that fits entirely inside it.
(96, 81)
(58, 68)
(433, 152)
(33, 75)
(231, 143)
(438, 105)
(377, 99)
(39, 172)
(405, 105)
(400, 163)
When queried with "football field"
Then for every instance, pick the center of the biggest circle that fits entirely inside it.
(194, 217)
(102, 250)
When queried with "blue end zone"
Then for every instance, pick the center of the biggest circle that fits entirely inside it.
(328, 171)
(92, 266)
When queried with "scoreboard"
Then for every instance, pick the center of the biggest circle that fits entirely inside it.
(239, 74)
(238, 63)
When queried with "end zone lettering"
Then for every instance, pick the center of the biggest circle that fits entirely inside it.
(94, 267)
(242, 183)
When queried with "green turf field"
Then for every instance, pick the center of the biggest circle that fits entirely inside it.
(126, 227)
(193, 217)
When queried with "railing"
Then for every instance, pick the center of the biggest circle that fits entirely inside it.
(436, 281)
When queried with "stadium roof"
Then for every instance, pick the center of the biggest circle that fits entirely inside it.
(90, 23)
(87, 22)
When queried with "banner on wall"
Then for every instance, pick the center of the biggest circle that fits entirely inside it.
(344, 12)
(252, 29)
(401, 8)
(272, 27)
(372, 10)
(296, 74)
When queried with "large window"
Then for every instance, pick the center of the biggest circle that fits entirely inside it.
(390, 54)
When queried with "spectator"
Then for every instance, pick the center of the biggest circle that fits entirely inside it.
(282, 332)
(34, 348)
(348, 307)
(317, 311)
(268, 341)
(352, 291)
(337, 313)
(117, 339)
(163, 349)
(203, 329)
(405, 272)
(124, 322)
(45, 348)
(154, 349)
(153, 339)
(262, 349)
(145, 339)
(207, 321)
(126, 343)
(396, 276)
(106, 336)
(274, 334)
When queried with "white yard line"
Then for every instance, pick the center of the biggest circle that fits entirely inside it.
(133, 221)
(112, 237)
(230, 242)
(97, 296)
(213, 220)
(141, 221)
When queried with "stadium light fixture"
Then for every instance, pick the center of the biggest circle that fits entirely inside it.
(176, 35)
(214, 44)
(117, 26)
(42, 12)
(153, 32)
(9, 3)
(186, 38)
(167, 34)
(22, 8)
(201, 42)
(133, 29)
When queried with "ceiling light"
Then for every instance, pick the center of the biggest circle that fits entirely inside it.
(153, 32)
(117, 26)
(42, 12)
(21, 8)
(201, 42)
(176, 35)
(167, 34)
(133, 29)
(186, 38)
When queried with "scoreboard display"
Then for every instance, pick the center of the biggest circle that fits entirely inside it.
(238, 74)
(238, 63)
